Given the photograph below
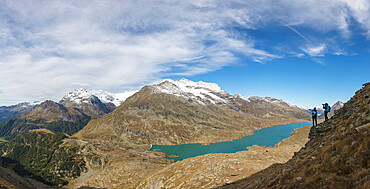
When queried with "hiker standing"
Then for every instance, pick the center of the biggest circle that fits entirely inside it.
(314, 116)
(326, 110)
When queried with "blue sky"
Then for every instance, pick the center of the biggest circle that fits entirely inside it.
(304, 52)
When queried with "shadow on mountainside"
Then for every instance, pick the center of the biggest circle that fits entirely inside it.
(19, 169)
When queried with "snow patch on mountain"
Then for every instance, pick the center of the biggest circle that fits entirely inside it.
(187, 88)
(27, 104)
(236, 96)
(82, 96)
(268, 100)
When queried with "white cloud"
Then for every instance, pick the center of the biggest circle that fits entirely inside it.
(315, 50)
(50, 47)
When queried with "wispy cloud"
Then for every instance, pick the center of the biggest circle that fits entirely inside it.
(315, 50)
(50, 47)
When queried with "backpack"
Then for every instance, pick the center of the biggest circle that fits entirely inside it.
(329, 108)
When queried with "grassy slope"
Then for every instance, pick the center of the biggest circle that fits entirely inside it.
(41, 155)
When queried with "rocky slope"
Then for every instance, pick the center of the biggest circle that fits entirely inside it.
(172, 112)
(52, 111)
(213, 170)
(337, 156)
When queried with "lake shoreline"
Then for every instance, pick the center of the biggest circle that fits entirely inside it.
(184, 151)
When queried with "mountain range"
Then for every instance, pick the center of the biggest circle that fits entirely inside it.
(171, 112)
(69, 115)
(175, 112)
(115, 131)
(7, 112)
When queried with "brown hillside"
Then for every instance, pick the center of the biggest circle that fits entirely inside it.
(52, 111)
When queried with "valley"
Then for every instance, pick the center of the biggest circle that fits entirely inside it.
(113, 147)
(139, 94)
(212, 170)
(268, 136)
(171, 112)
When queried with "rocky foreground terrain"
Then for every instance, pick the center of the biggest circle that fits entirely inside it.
(337, 156)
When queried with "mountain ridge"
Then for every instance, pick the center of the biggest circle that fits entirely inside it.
(82, 95)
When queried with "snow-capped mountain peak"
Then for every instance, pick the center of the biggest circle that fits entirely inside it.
(187, 88)
(184, 83)
(81, 95)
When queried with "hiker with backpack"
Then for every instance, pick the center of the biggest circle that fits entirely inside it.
(314, 116)
(326, 110)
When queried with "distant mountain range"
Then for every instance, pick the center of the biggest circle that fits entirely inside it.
(82, 105)
(70, 115)
(7, 112)
(80, 96)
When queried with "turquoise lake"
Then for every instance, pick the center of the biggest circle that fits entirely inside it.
(268, 136)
